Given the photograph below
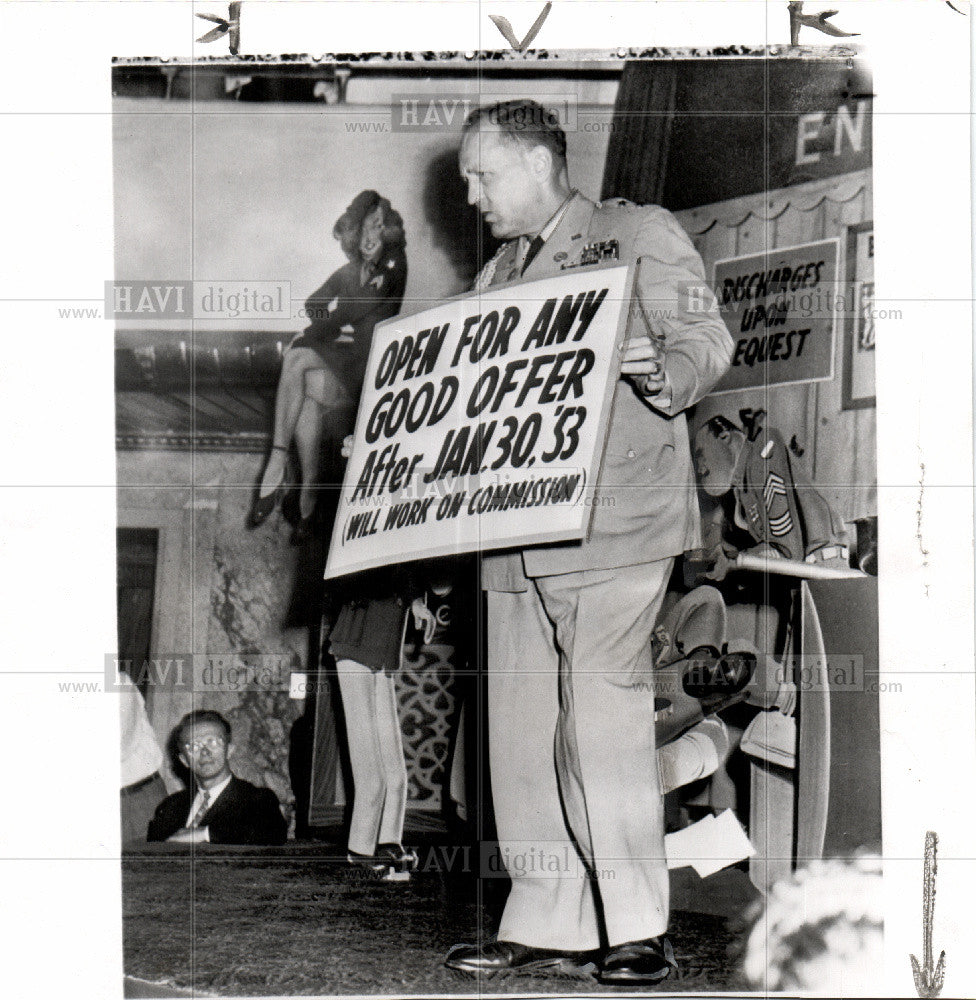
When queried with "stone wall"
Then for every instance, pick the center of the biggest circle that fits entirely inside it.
(226, 592)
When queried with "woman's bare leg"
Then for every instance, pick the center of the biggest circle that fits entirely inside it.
(288, 405)
(325, 400)
(308, 441)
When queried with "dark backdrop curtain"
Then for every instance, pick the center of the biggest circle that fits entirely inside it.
(637, 156)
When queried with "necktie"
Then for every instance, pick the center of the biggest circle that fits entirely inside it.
(202, 811)
(535, 245)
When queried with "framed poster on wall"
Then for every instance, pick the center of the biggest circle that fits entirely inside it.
(779, 307)
(859, 336)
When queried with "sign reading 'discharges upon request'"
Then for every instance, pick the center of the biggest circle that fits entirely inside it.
(781, 308)
(482, 421)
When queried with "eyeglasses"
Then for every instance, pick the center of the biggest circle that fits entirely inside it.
(210, 742)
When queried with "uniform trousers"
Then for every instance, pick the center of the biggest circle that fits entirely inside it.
(379, 769)
(573, 759)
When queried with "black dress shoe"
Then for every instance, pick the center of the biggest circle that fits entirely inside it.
(401, 859)
(648, 961)
(509, 956)
(262, 507)
(382, 866)
(710, 673)
(367, 864)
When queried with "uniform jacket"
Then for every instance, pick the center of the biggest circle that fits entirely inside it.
(646, 504)
(359, 306)
(780, 510)
(243, 814)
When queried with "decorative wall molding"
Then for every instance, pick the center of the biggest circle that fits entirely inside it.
(427, 711)
(775, 204)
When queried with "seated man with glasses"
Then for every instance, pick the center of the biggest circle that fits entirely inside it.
(218, 808)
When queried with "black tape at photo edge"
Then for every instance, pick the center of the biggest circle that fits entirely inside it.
(613, 376)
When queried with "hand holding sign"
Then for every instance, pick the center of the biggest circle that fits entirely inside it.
(644, 362)
(423, 619)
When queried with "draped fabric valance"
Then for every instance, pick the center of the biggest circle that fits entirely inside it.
(637, 155)
(692, 132)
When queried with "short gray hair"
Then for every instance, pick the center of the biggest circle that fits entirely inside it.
(525, 121)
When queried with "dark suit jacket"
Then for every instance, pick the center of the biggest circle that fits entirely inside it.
(244, 814)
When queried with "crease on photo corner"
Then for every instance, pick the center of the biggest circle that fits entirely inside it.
(229, 26)
(820, 21)
(929, 975)
(505, 27)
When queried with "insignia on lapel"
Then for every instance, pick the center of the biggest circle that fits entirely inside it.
(562, 255)
(596, 253)
(576, 236)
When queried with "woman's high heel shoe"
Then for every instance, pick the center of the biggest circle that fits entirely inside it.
(263, 506)
(307, 525)
(291, 509)
(303, 531)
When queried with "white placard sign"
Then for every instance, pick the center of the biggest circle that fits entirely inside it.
(482, 421)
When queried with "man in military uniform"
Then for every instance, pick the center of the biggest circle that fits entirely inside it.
(571, 707)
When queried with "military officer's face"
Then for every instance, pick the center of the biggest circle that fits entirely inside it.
(503, 178)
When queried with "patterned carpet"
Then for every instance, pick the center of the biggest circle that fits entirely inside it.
(297, 920)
